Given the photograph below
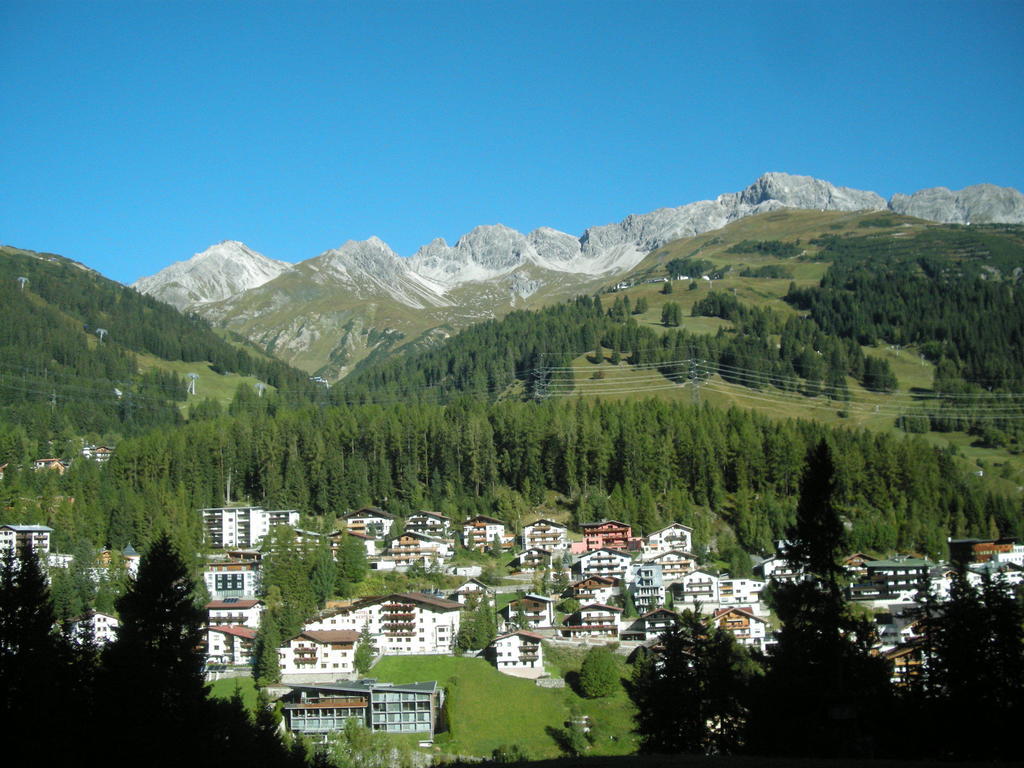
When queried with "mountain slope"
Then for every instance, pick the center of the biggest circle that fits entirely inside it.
(328, 313)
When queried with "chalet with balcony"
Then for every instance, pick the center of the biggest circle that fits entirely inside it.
(594, 589)
(102, 627)
(388, 707)
(698, 587)
(56, 464)
(739, 592)
(413, 547)
(675, 536)
(22, 539)
(519, 650)
(780, 570)
(329, 653)
(898, 579)
(651, 625)
(538, 611)
(675, 564)
(471, 587)
(369, 521)
(230, 646)
(531, 560)
(547, 535)
(748, 629)
(607, 534)
(603, 562)
(482, 532)
(430, 524)
(234, 612)
(594, 620)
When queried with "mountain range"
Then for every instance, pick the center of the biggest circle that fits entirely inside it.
(327, 313)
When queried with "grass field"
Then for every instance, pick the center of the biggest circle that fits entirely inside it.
(216, 386)
(488, 709)
(225, 689)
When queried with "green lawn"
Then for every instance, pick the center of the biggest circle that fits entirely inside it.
(225, 689)
(488, 709)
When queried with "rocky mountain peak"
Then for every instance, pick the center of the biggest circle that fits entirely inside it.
(980, 204)
(221, 271)
(793, 191)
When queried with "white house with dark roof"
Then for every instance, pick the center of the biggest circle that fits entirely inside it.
(328, 653)
(403, 623)
(235, 611)
(430, 523)
(415, 548)
(594, 620)
(594, 589)
(530, 560)
(675, 564)
(740, 592)
(25, 538)
(369, 521)
(538, 610)
(740, 621)
(674, 536)
(471, 587)
(697, 587)
(650, 625)
(517, 651)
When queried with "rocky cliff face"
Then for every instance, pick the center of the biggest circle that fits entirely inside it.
(978, 204)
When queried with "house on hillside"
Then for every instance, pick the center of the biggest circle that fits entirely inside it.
(594, 589)
(650, 625)
(739, 592)
(230, 577)
(233, 527)
(899, 579)
(594, 620)
(230, 645)
(388, 707)
(519, 650)
(234, 611)
(403, 623)
(645, 586)
(369, 521)
(675, 564)
(102, 627)
(748, 629)
(530, 560)
(415, 548)
(698, 587)
(675, 536)
(430, 524)
(482, 533)
(537, 610)
(471, 587)
(608, 534)
(20, 539)
(330, 653)
(547, 535)
(602, 562)
(56, 464)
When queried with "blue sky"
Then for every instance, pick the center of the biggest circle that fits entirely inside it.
(135, 134)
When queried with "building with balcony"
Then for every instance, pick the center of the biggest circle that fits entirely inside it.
(232, 578)
(547, 535)
(748, 629)
(645, 586)
(675, 536)
(519, 650)
(234, 612)
(595, 620)
(369, 521)
(482, 533)
(22, 539)
(230, 646)
(392, 708)
(607, 534)
(228, 527)
(430, 524)
(603, 562)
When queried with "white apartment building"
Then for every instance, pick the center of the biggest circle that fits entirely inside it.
(243, 527)
(547, 535)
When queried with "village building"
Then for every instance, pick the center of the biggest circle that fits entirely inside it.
(483, 533)
(368, 542)
(415, 548)
(739, 592)
(234, 611)
(594, 589)
(471, 587)
(228, 527)
(603, 562)
(675, 564)
(651, 625)
(645, 586)
(899, 579)
(102, 627)
(516, 651)
(22, 539)
(608, 534)
(779, 570)
(98, 453)
(530, 560)
(430, 524)
(56, 464)
(403, 623)
(908, 662)
(594, 620)
(369, 521)
(697, 588)
(388, 707)
(547, 535)
(230, 646)
(675, 536)
(536, 610)
(325, 652)
(232, 577)
(748, 629)
(855, 565)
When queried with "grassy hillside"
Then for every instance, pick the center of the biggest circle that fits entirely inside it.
(488, 709)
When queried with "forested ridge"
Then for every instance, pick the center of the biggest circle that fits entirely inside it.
(69, 340)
